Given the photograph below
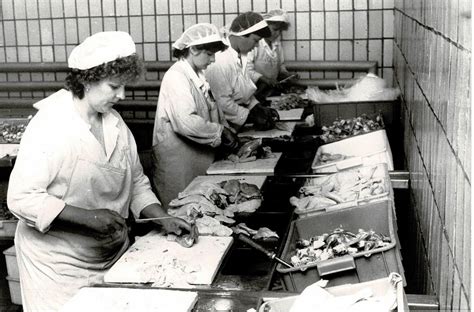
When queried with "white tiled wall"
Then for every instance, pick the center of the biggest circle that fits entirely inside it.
(45, 31)
(432, 58)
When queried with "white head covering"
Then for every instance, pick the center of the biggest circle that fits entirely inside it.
(276, 15)
(247, 23)
(198, 34)
(101, 48)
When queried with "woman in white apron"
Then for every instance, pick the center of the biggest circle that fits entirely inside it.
(230, 82)
(77, 176)
(189, 126)
(266, 62)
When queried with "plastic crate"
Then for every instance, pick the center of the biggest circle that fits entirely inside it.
(12, 265)
(378, 287)
(362, 150)
(356, 268)
(8, 227)
(380, 172)
(15, 290)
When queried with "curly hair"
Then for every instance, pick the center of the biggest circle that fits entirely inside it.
(127, 70)
(212, 47)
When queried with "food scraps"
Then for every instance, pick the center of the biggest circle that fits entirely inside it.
(344, 128)
(250, 151)
(337, 243)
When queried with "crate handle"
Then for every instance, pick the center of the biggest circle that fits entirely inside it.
(336, 265)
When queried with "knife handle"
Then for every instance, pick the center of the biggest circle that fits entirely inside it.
(250, 242)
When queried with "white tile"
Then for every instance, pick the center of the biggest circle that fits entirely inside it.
(135, 8)
(20, 9)
(317, 50)
(360, 4)
(375, 24)
(217, 20)
(375, 51)
(7, 9)
(149, 35)
(95, 7)
(31, 9)
(23, 54)
(122, 24)
(82, 8)
(21, 32)
(302, 20)
(302, 51)
(109, 24)
(360, 23)
(175, 7)
(332, 25)
(149, 52)
(96, 25)
(160, 6)
(177, 27)
(331, 51)
(56, 8)
(83, 28)
(291, 32)
(258, 6)
(317, 5)
(217, 6)
(203, 6)
(289, 52)
(317, 25)
(346, 26)
(59, 36)
(360, 50)
(60, 53)
(345, 50)
(302, 5)
(204, 18)
(71, 31)
(229, 17)
(345, 5)
(330, 5)
(162, 28)
(189, 6)
(164, 52)
(121, 7)
(388, 4)
(230, 6)
(388, 24)
(35, 54)
(10, 33)
(388, 52)
(375, 4)
(136, 28)
(189, 20)
(108, 7)
(289, 6)
(47, 54)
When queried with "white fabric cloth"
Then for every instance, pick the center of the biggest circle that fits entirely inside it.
(101, 48)
(265, 60)
(198, 34)
(276, 15)
(256, 27)
(60, 161)
(188, 126)
(231, 86)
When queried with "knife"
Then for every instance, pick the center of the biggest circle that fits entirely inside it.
(268, 253)
(287, 78)
(151, 219)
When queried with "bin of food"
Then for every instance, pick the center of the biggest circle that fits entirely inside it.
(12, 129)
(384, 294)
(348, 188)
(8, 222)
(362, 150)
(349, 245)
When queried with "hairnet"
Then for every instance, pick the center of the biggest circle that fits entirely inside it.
(198, 34)
(101, 48)
(247, 23)
(276, 15)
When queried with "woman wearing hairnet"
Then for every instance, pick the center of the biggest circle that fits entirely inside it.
(189, 126)
(78, 175)
(266, 62)
(230, 82)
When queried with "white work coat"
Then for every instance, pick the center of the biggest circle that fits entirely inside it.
(265, 60)
(61, 162)
(188, 127)
(231, 86)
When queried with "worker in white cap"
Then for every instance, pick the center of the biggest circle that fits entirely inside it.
(189, 126)
(78, 176)
(228, 77)
(266, 62)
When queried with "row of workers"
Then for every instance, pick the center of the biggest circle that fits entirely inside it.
(78, 176)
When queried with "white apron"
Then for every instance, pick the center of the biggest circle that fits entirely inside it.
(54, 265)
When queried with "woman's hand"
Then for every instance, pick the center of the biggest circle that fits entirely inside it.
(105, 222)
